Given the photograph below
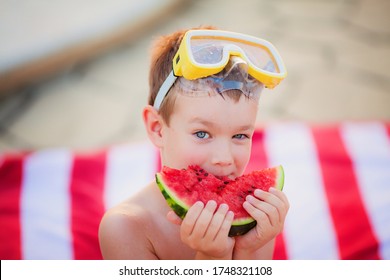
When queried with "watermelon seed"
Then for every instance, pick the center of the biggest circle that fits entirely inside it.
(200, 179)
(226, 182)
(206, 174)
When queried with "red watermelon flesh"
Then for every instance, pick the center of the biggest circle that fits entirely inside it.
(183, 187)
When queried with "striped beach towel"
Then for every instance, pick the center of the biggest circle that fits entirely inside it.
(337, 179)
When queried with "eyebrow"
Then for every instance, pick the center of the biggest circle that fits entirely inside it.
(211, 124)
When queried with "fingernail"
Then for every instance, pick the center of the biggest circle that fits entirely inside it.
(224, 206)
(199, 203)
(211, 203)
(258, 192)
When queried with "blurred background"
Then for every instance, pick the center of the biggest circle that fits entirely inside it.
(75, 73)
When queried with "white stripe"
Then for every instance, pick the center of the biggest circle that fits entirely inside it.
(129, 168)
(45, 206)
(369, 147)
(309, 232)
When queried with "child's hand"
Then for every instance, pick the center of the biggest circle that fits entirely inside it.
(269, 209)
(205, 229)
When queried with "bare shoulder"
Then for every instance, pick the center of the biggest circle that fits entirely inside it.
(138, 229)
(123, 233)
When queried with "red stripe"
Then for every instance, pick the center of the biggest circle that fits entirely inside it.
(354, 233)
(11, 169)
(388, 128)
(280, 248)
(87, 190)
(258, 160)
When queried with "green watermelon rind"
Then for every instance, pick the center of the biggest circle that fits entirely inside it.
(239, 226)
(280, 178)
(176, 204)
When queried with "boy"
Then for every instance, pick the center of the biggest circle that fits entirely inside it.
(201, 112)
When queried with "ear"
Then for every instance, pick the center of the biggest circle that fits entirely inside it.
(153, 124)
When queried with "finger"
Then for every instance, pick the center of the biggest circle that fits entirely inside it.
(205, 217)
(173, 218)
(217, 221)
(226, 225)
(272, 198)
(191, 217)
(257, 214)
(282, 196)
(270, 210)
(267, 196)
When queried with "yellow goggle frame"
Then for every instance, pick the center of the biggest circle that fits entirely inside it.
(203, 53)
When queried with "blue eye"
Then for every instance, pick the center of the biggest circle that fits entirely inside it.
(202, 135)
(240, 136)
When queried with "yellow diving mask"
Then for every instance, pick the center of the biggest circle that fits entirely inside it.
(206, 53)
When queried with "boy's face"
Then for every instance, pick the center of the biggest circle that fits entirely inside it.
(212, 132)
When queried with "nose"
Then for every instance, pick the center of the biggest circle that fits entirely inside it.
(221, 154)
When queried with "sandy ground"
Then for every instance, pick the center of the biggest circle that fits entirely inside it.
(337, 54)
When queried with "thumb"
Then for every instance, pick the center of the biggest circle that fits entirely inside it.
(173, 218)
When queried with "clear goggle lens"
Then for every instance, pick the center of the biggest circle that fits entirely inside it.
(211, 51)
(233, 77)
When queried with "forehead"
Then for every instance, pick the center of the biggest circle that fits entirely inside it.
(215, 108)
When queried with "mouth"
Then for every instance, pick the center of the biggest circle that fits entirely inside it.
(221, 174)
(230, 176)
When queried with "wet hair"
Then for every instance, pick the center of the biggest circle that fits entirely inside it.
(163, 50)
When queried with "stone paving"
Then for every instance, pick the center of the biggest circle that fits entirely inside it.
(336, 52)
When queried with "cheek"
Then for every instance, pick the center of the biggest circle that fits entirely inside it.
(190, 153)
(242, 155)
(181, 151)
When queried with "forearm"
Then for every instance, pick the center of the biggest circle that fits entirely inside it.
(264, 253)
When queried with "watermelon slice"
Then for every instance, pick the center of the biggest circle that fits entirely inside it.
(182, 188)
